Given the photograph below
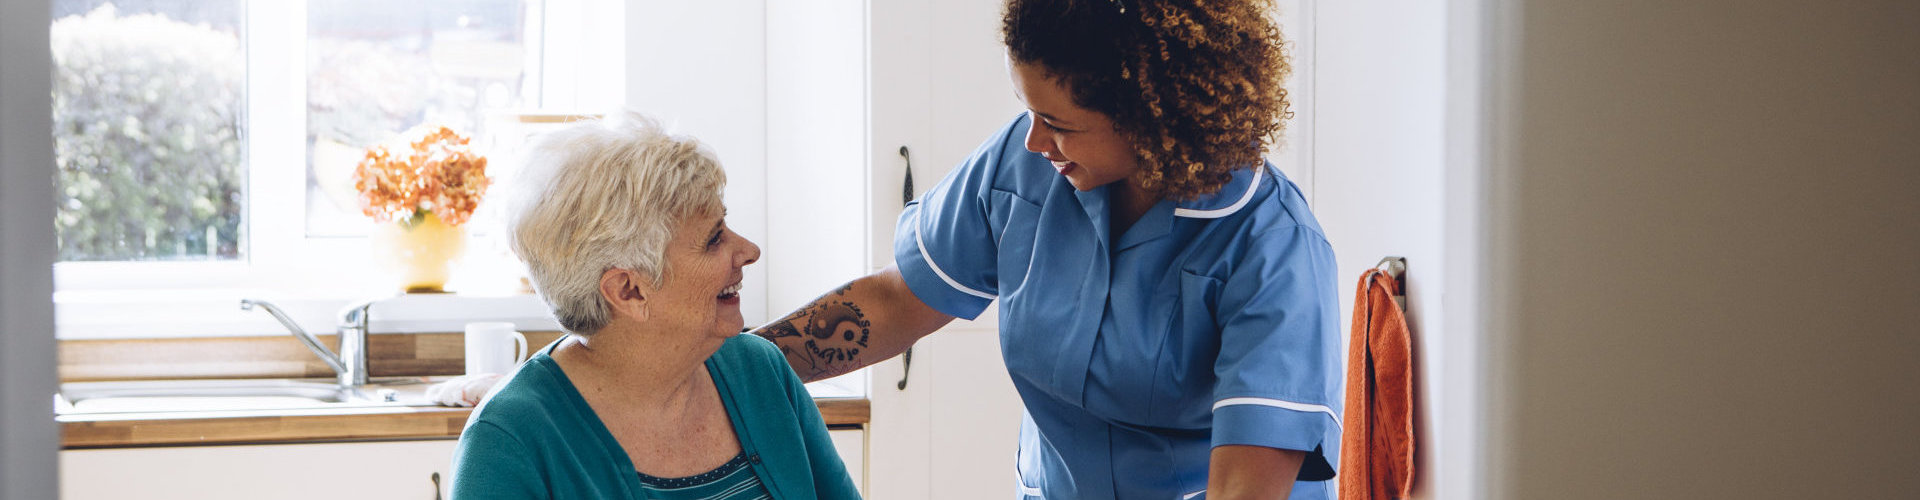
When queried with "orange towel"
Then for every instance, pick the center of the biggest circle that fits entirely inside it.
(1376, 446)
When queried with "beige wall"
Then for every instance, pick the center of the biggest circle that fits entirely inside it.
(1715, 250)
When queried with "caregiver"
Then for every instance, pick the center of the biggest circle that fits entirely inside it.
(1167, 307)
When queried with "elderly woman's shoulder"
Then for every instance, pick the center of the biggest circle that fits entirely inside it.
(752, 346)
(751, 352)
(530, 399)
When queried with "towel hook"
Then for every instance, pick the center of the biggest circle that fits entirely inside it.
(1394, 266)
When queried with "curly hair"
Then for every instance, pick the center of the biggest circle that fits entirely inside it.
(1196, 85)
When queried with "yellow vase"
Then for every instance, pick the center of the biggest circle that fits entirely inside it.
(422, 251)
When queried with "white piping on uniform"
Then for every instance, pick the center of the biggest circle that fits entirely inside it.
(1021, 480)
(1289, 405)
(936, 267)
(1191, 495)
(1252, 186)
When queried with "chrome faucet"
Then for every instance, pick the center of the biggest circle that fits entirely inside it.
(350, 364)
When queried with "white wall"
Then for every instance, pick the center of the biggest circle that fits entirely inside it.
(816, 149)
(1709, 256)
(1295, 154)
(701, 67)
(1379, 181)
(575, 80)
(28, 436)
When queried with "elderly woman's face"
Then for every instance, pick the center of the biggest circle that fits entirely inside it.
(702, 289)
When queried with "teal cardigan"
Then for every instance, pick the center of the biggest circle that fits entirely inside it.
(537, 438)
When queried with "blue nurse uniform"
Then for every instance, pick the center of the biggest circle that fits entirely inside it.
(1209, 322)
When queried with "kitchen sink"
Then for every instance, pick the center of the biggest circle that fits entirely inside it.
(221, 395)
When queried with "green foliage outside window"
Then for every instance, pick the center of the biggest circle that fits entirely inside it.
(147, 138)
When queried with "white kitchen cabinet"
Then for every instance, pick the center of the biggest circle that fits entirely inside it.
(399, 470)
(852, 445)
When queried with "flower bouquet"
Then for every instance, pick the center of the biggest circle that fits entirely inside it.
(422, 193)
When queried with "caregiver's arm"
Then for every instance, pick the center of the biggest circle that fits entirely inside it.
(861, 323)
(1245, 472)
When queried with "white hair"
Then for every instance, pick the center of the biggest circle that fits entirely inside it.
(606, 194)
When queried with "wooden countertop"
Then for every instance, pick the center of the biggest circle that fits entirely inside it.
(110, 430)
(404, 355)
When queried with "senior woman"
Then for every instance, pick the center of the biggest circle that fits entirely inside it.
(653, 393)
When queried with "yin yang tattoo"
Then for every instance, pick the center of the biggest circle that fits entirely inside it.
(832, 331)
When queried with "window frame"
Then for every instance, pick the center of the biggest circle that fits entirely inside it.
(312, 277)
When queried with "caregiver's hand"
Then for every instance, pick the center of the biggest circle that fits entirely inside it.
(861, 323)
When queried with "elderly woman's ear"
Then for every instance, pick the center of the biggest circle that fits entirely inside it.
(626, 293)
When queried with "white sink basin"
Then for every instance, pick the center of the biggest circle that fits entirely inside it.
(213, 395)
(188, 403)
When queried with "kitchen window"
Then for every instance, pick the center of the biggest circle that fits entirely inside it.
(149, 107)
(205, 149)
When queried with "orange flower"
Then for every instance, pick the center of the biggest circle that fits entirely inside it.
(439, 174)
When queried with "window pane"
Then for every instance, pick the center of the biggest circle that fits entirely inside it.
(377, 68)
(148, 101)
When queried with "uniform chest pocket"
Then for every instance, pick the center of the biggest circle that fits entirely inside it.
(1183, 374)
(1012, 221)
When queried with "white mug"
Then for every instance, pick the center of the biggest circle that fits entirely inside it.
(493, 347)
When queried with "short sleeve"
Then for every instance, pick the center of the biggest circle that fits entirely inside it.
(490, 463)
(1279, 363)
(944, 245)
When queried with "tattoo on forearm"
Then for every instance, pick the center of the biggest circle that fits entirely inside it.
(812, 368)
(838, 319)
(832, 331)
(784, 329)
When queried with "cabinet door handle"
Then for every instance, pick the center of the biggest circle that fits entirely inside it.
(906, 196)
(436, 486)
(906, 190)
(906, 367)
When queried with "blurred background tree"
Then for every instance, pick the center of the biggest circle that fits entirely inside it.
(147, 138)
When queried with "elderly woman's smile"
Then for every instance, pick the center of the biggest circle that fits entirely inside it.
(701, 291)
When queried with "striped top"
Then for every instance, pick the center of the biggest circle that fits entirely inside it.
(732, 481)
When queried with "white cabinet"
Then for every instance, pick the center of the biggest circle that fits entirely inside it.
(852, 445)
(400, 470)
